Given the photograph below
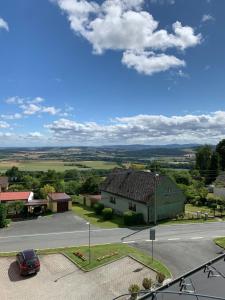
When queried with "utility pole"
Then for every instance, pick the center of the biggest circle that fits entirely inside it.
(89, 241)
(155, 198)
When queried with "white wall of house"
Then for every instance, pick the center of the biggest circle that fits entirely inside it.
(31, 197)
(219, 192)
(122, 204)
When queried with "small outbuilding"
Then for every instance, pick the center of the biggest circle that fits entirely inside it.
(4, 183)
(59, 202)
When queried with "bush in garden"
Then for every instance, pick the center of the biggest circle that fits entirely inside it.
(98, 208)
(132, 218)
(147, 283)
(160, 278)
(107, 213)
(134, 289)
(3, 212)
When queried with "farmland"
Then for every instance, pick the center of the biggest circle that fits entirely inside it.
(57, 165)
(84, 158)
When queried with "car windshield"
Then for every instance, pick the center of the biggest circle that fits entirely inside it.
(30, 255)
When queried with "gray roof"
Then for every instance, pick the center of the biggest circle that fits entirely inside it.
(135, 185)
(208, 280)
(4, 181)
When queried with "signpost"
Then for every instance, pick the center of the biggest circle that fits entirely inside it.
(152, 238)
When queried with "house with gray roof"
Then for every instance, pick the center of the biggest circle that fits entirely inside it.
(156, 196)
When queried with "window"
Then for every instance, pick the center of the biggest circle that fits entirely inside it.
(112, 200)
(132, 206)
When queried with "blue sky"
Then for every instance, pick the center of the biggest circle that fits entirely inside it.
(111, 72)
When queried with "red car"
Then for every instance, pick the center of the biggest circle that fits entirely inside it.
(28, 262)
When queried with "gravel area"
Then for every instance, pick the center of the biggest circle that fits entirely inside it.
(60, 279)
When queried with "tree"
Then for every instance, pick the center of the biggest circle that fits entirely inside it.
(13, 174)
(91, 185)
(46, 190)
(72, 187)
(203, 158)
(220, 149)
(182, 177)
(213, 170)
(3, 212)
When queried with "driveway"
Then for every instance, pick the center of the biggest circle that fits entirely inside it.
(182, 256)
(60, 279)
(60, 222)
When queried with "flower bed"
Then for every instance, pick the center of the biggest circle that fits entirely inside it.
(80, 255)
(107, 256)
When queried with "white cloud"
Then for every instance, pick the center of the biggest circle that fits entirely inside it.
(146, 129)
(50, 110)
(4, 125)
(30, 107)
(15, 116)
(4, 24)
(124, 25)
(206, 18)
(149, 63)
(162, 2)
(15, 100)
(35, 135)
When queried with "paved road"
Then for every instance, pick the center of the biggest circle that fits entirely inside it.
(182, 256)
(67, 230)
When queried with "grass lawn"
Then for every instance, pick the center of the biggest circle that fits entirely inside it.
(88, 214)
(220, 242)
(102, 250)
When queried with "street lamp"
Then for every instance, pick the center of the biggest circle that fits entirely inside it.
(155, 200)
(89, 241)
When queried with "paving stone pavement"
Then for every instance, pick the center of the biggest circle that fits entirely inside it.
(60, 279)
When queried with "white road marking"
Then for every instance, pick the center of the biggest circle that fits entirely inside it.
(129, 242)
(174, 239)
(197, 238)
(54, 233)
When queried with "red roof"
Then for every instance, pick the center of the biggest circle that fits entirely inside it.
(58, 196)
(14, 196)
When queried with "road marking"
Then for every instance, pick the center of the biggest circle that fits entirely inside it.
(197, 237)
(54, 233)
(174, 239)
(129, 242)
(151, 240)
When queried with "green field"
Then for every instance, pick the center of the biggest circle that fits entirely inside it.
(57, 165)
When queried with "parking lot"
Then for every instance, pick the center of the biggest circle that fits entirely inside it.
(60, 279)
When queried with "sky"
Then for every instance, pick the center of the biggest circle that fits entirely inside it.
(107, 72)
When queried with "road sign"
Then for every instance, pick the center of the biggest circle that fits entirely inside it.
(152, 234)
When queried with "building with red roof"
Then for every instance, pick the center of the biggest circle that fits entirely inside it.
(16, 196)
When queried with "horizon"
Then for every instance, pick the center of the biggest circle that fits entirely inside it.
(111, 72)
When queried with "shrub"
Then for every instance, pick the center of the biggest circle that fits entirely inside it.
(133, 218)
(160, 278)
(134, 289)
(3, 212)
(98, 207)
(107, 213)
(147, 283)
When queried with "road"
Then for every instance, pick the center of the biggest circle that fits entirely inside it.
(32, 235)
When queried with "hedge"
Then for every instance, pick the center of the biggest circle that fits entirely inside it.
(107, 213)
(133, 218)
(98, 207)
